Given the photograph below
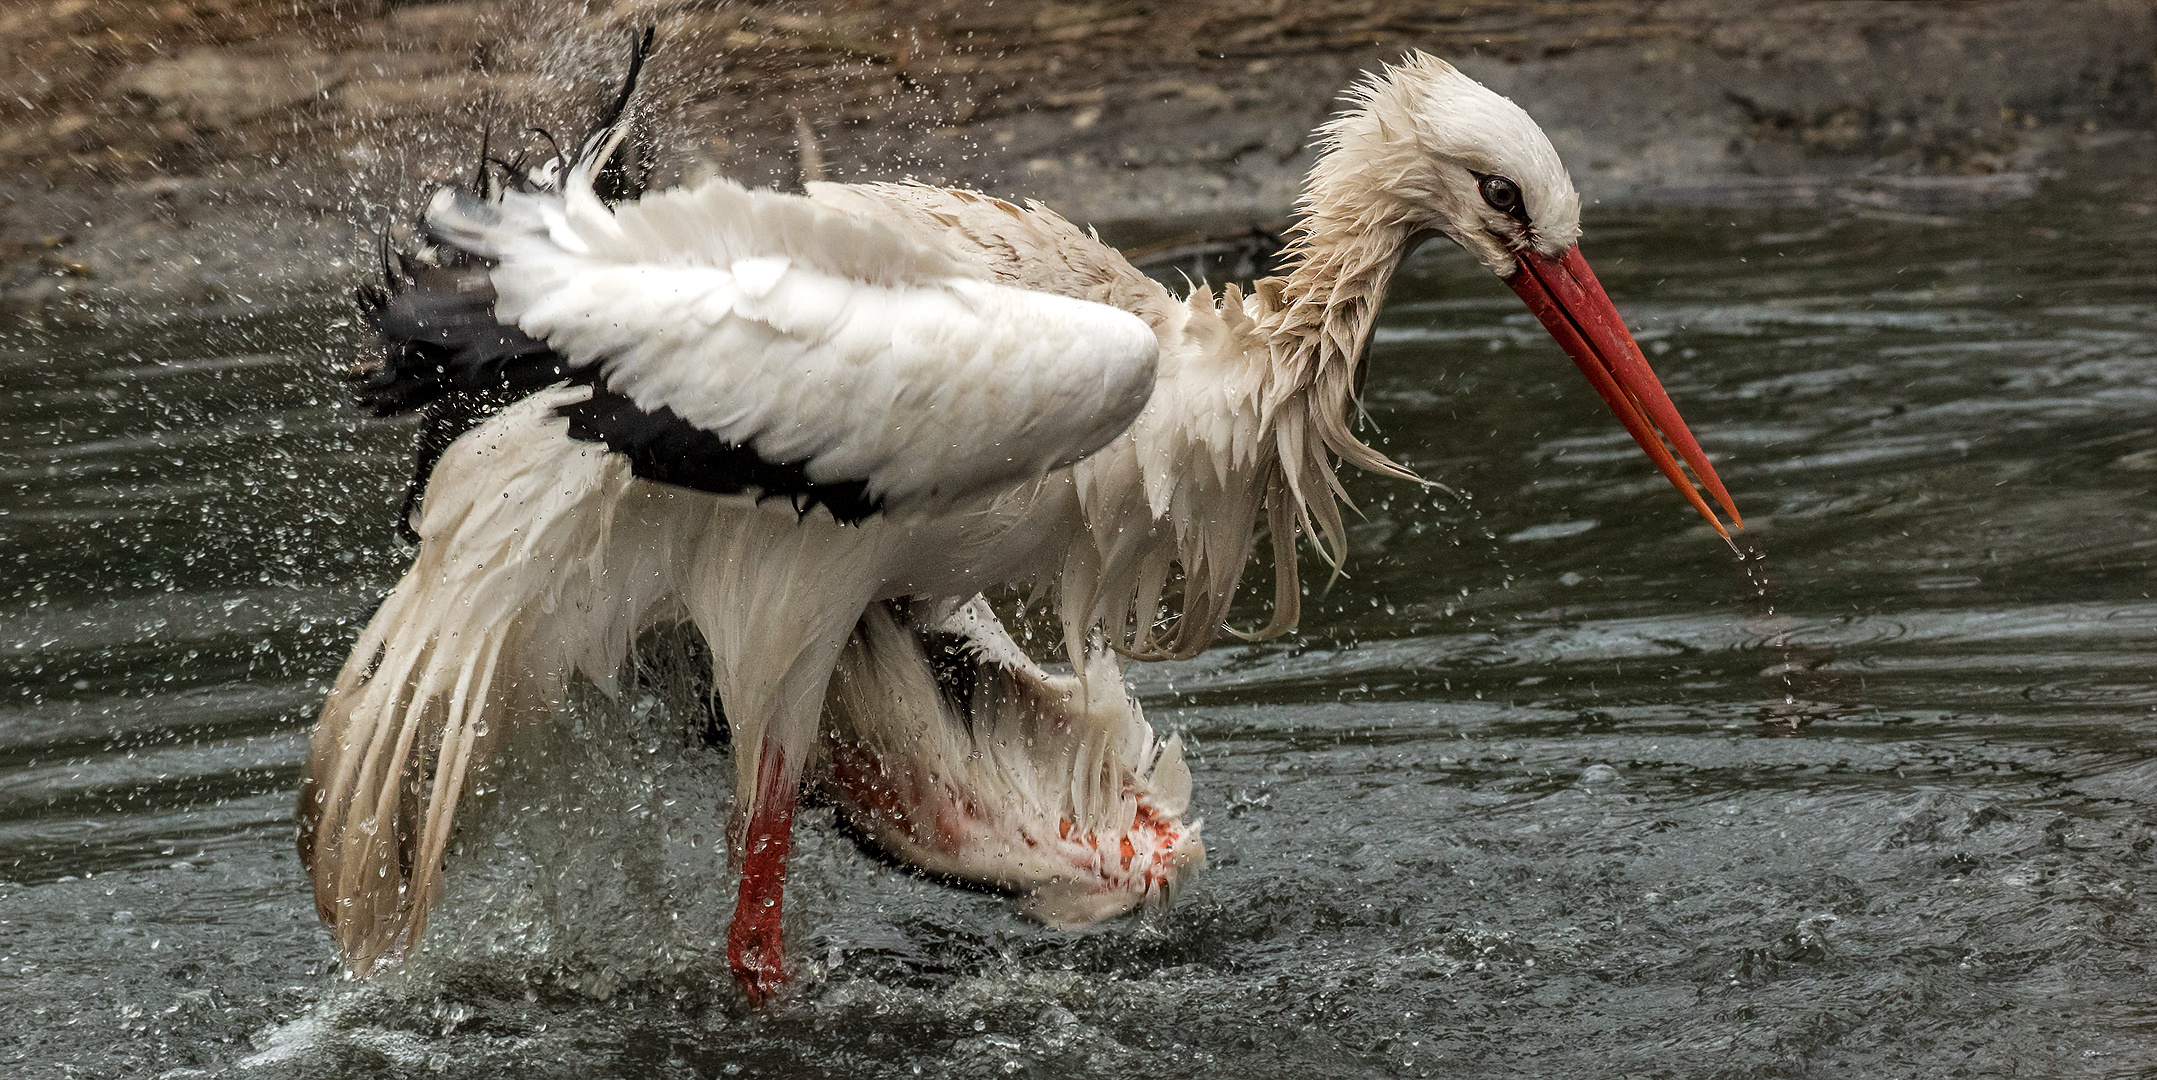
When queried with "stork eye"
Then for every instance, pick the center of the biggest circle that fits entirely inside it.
(1503, 195)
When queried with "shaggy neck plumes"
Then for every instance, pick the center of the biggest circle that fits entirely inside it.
(1309, 330)
(1317, 322)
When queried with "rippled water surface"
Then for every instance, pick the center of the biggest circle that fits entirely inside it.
(1551, 785)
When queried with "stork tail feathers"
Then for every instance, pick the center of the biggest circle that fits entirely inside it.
(533, 568)
(375, 825)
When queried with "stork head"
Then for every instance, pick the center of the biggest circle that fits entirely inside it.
(1430, 151)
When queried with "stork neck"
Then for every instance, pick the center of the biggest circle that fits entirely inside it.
(1324, 310)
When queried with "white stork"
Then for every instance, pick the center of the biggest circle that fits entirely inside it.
(817, 427)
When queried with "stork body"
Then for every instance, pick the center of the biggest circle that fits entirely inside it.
(818, 427)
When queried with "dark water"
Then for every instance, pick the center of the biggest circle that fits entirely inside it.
(1552, 785)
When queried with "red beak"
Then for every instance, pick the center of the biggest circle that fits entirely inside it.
(1564, 294)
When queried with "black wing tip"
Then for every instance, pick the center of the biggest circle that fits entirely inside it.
(627, 171)
(440, 350)
(370, 298)
(640, 50)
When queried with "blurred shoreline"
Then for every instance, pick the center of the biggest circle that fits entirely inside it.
(203, 154)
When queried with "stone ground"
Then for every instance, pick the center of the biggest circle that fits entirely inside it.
(198, 154)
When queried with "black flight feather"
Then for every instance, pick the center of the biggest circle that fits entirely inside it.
(664, 448)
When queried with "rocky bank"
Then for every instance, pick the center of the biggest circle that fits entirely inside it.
(191, 155)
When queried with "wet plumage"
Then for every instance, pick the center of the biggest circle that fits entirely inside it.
(818, 427)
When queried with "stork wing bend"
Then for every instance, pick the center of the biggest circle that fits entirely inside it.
(744, 341)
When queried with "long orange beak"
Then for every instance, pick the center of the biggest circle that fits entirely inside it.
(1564, 294)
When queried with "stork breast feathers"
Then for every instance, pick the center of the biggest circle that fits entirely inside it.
(813, 336)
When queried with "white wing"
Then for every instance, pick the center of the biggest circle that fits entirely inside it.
(829, 346)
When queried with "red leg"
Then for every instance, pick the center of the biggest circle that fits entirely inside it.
(753, 946)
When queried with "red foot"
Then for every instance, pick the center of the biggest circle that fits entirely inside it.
(754, 949)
